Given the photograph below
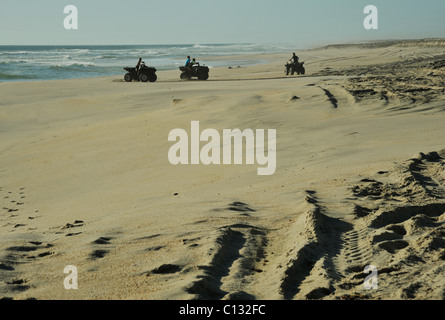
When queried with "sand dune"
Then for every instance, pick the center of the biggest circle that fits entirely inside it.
(360, 180)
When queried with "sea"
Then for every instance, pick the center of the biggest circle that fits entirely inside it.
(35, 63)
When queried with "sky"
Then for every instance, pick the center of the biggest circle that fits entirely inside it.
(307, 22)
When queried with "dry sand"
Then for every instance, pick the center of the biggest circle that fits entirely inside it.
(360, 180)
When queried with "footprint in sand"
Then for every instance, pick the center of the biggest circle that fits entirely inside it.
(15, 257)
(100, 253)
(76, 224)
(18, 285)
(102, 240)
(167, 269)
(238, 206)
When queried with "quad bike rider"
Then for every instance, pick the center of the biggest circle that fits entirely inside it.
(194, 69)
(294, 66)
(140, 73)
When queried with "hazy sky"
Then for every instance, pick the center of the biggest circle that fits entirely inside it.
(305, 22)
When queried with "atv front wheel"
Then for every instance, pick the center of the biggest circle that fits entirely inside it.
(128, 77)
(152, 77)
(185, 76)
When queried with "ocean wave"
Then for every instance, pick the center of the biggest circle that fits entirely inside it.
(14, 53)
(106, 57)
(9, 62)
(70, 50)
(6, 76)
(201, 46)
(72, 66)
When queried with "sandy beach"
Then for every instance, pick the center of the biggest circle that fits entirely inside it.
(85, 180)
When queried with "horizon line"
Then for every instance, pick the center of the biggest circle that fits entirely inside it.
(351, 42)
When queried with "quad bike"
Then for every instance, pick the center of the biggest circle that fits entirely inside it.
(200, 72)
(294, 67)
(143, 74)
